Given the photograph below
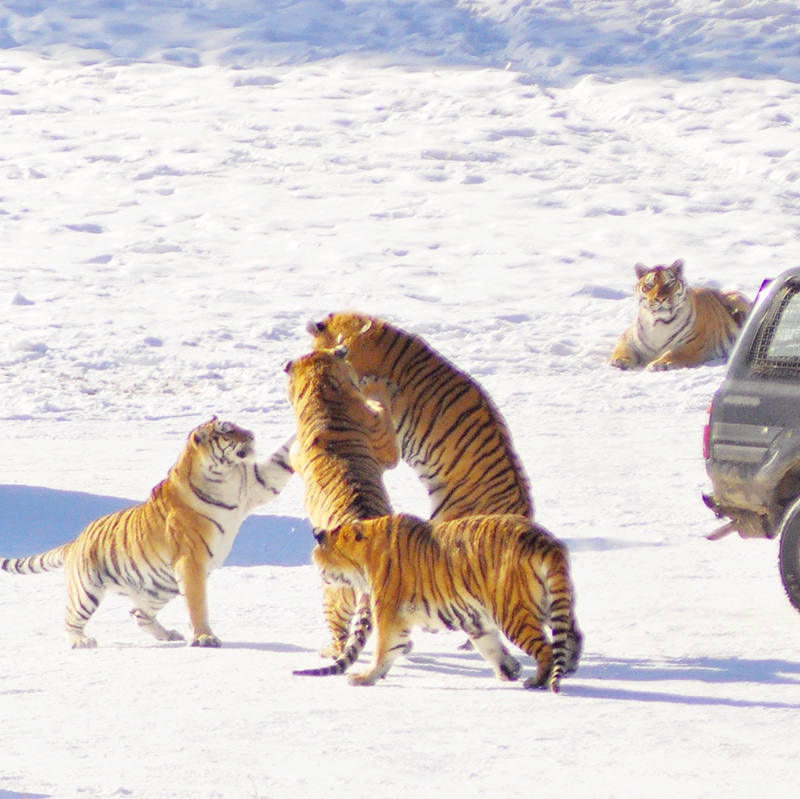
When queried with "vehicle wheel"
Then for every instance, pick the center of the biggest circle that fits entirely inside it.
(789, 554)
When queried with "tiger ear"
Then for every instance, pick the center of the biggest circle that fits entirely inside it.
(315, 328)
(287, 366)
(641, 270)
(201, 435)
(677, 267)
(321, 532)
(341, 351)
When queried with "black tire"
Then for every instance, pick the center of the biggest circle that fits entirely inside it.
(789, 554)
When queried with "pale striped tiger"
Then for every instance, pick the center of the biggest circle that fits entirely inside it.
(480, 574)
(169, 544)
(344, 443)
(677, 324)
(450, 431)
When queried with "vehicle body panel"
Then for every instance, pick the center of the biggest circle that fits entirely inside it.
(753, 436)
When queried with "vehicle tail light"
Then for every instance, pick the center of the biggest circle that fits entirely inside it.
(707, 434)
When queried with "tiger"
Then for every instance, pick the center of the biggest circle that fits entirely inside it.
(480, 574)
(678, 325)
(169, 544)
(345, 441)
(451, 433)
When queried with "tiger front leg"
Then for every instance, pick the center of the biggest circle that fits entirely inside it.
(192, 579)
(676, 358)
(391, 641)
(624, 356)
(150, 624)
(382, 433)
(662, 364)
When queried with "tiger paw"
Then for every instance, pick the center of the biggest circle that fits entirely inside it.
(365, 678)
(84, 643)
(622, 363)
(509, 669)
(331, 651)
(173, 635)
(660, 365)
(538, 682)
(207, 641)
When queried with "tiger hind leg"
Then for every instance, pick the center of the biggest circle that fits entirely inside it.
(526, 632)
(542, 654)
(573, 648)
(506, 666)
(81, 605)
(339, 605)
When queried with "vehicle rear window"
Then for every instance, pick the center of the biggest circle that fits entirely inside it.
(776, 347)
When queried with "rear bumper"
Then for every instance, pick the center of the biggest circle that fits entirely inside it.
(746, 522)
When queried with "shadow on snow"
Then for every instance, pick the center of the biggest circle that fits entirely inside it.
(35, 519)
(588, 680)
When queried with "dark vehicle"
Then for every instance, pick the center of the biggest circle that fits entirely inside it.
(752, 441)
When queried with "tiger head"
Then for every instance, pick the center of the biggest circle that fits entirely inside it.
(339, 328)
(344, 554)
(661, 290)
(325, 370)
(225, 443)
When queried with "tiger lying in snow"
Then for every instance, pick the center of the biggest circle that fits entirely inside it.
(676, 324)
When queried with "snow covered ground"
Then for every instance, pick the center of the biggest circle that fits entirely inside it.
(184, 183)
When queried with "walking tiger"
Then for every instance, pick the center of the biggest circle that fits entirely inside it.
(480, 574)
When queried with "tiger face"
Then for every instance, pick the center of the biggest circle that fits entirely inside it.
(224, 442)
(661, 290)
(342, 554)
(338, 328)
(324, 368)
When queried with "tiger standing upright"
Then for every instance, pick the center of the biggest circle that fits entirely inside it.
(450, 432)
(344, 443)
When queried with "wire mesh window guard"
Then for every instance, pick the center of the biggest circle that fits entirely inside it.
(775, 351)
